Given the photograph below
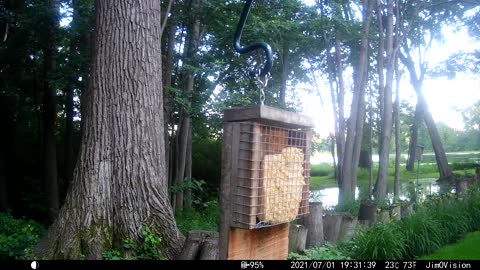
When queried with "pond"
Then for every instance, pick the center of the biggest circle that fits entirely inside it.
(426, 186)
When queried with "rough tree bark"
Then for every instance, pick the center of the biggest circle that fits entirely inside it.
(119, 184)
(50, 112)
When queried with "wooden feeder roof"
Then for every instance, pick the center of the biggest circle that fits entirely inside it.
(268, 115)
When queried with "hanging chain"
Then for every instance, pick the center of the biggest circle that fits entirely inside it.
(261, 83)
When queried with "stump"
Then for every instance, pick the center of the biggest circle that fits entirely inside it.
(297, 238)
(195, 244)
(347, 230)
(396, 214)
(332, 223)
(367, 213)
(384, 216)
(406, 210)
(461, 186)
(209, 249)
(314, 225)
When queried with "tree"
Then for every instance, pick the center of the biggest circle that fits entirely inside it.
(357, 113)
(386, 93)
(183, 166)
(417, 82)
(79, 40)
(119, 184)
(49, 109)
(471, 117)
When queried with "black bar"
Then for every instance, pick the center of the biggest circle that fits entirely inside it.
(242, 265)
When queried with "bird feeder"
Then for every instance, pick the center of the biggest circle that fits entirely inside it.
(265, 180)
(419, 152)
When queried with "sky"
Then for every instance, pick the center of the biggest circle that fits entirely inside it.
(444, 97)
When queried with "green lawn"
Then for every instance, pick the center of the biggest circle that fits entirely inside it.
(466, 249)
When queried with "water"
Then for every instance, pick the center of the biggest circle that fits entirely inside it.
(426, 186)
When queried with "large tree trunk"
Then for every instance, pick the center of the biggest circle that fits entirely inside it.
(119, 184)
(50, 113)
(387, 123)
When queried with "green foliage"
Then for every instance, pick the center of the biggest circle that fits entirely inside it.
(147, 249)
(381, 242)
(197, 188)
(350, 206)
(422, 234)
(204, 218)
(112, 254)
(462, 166)
(322, 169)
(327, 252)
(207, 160)
(467, 249)
(441, 220)
(17, 236)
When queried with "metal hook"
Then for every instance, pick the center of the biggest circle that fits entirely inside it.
(259, 45)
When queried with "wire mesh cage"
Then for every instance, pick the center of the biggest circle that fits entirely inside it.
(270, 172)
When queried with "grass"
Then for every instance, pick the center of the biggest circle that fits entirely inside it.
(440, 221)
(466, 249)
(206, 218)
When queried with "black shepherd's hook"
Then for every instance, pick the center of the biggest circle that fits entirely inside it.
(259, 45)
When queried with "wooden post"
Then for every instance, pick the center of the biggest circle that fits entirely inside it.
(367, 213)
(195, 243)
(314, 224)
(384, 216)
(268, 243)
(461, 186)
(332, 223)
(225, 190)
(297, 238)
(209, 249)
(406, 210)
(347, 230)
(397, 213)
